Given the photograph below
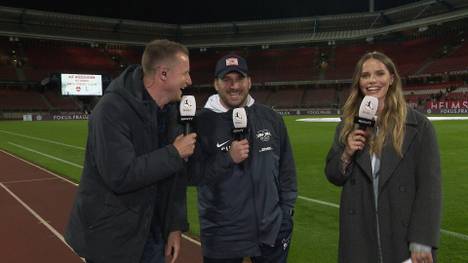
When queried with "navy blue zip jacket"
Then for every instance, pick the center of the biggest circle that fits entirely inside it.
(242, 206)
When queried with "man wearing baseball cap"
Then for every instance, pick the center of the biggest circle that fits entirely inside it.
(246, 187)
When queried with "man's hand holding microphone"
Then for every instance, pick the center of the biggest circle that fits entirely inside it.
(185, 144)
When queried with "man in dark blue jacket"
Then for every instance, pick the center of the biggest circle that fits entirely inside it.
(131, 201)
(246, 188)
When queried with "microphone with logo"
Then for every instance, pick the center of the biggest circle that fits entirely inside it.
(239, 120)
(187, 109)
(239, 131)
(366, 116)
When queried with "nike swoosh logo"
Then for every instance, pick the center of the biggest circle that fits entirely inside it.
(221, 144)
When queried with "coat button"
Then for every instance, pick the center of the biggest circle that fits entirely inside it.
(402, 188)
(351, 211)
(404, 223)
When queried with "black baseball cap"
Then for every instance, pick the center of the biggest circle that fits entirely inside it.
(230, 63)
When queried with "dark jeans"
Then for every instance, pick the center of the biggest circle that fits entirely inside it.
(270, 254)
(153, 251)
(154, 248)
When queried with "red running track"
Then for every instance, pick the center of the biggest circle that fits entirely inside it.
(35, 205)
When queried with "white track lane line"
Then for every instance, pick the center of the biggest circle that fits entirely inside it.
(29, 181)
(37, 216)
(447, 232)
(73, 164)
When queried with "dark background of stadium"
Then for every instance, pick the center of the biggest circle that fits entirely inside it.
(191, 12)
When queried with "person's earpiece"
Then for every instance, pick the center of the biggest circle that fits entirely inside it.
(163, 75)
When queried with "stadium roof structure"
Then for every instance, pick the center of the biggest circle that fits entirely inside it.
(417, 16)
(207, 11)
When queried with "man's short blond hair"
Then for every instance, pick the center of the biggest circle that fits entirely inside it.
(158, 51)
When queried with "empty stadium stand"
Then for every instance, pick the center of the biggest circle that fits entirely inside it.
(267, 67)
(61, 102)
(456, 61)
(21, 100)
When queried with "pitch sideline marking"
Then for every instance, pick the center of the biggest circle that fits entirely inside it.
(37, 216)
(338, 119)
(43, 140)
(318, 201)
(46, 155)
(60, 177)
(451, 233)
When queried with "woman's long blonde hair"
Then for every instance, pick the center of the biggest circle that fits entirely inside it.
(391, 121)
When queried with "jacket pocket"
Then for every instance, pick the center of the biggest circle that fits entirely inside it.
(98, 211)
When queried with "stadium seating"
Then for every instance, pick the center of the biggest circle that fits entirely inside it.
(61, 102)
(286, 97)
(276, 65)
(7, 69)
(43, 60)
(456, 61)
(409, 56)
(319, 97)
(21, 99)
(261, 95)
(279, 75)
(433, 86)
(7, 72)
(270, 65)
(342, 64)
(202, 65)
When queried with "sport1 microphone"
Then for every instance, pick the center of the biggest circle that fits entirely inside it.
(367, 111)
(187, 109)
(239, 120)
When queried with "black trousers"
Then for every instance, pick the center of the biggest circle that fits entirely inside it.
(153, 252)
(270, 254)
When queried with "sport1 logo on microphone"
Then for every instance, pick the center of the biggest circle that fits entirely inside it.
(367, 110)
(239, 120)
(187, 109)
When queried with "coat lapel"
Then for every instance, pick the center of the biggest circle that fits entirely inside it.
(390, 159)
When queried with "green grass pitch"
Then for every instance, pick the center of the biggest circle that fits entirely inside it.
(315, 235)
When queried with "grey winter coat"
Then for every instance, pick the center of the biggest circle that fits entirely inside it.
(409, 197)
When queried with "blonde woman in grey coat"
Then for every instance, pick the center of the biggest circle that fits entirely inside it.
(390, 175)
